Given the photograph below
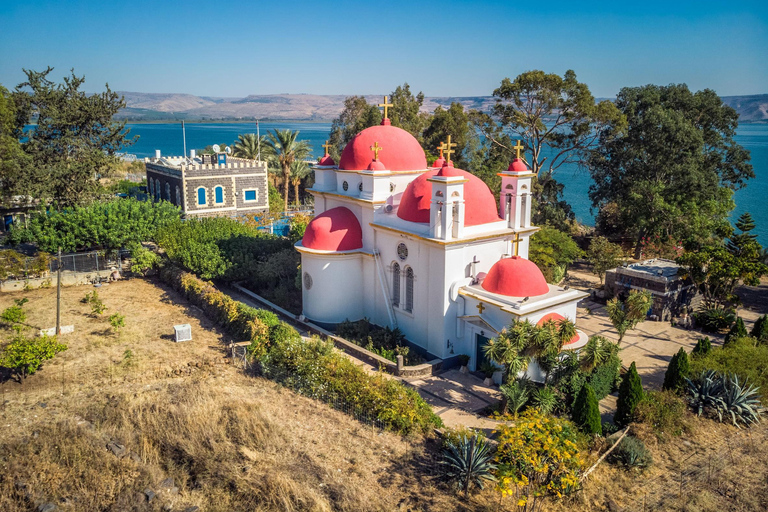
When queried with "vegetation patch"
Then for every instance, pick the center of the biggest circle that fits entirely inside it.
(386, 342)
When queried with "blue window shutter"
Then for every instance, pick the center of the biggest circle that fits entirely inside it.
(219, 194)
(201, 196)
(250, 195)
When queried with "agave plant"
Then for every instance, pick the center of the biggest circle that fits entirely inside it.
(545, 399)
(706, 391)
(468, 462)
(740, 401)
(516, 394)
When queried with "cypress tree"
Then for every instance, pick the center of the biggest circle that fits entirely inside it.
(679, 368)
(586, 411)
(702, 348)
(630, 394)
(760, 329)
(737, 331)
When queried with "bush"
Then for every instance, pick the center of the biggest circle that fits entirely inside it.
(664, 411)
(677, 372)
(702, 348)
(715, 319)
(143, 260)
(15, 314)
(737, 331)
(743, 357)
(538, 456)
(586, 411)
(467, 462)
(313, 368)
(760, 329)
(24, 356)
(631, 453)
(11, 264)
(383, 341)
(117, 321)
(545, 399)
(93, 299)
(108, 225)
(630, 394)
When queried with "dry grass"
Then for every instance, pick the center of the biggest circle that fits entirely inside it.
(229, 441)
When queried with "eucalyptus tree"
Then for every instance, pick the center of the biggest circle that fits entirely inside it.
(283, 147)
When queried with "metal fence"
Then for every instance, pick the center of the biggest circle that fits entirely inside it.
(13, 268)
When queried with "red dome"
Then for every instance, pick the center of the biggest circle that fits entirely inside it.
(515, 277)
(518, 165)
(336, 229)
(400, 151)
(327, 161)
(479, 203)
(439, 163)
(557, 318)
(376, 165)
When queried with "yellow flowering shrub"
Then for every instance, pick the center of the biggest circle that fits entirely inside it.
(538, 457)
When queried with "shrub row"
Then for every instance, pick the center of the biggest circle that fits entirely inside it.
(312, 368)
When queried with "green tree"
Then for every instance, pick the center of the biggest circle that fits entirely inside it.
(559, 123)
(249, 146)
(760, 329)
(24, 356)
(717, 267)
(300, 172)
(453, 121)
(15, 164)
(586, 411)
(738, 330)
(603, 255)
(283, 148)
(630, 394)
(356, 116)
(406, 110)
(625, 314)
(672, 170)
(76, 137)
(553, 250)
(678, 371)
(702, 348)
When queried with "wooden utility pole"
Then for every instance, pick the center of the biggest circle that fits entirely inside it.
(58, 295)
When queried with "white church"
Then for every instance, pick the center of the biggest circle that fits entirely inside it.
(424, 249)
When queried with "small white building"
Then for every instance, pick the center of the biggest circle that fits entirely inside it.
(424, 249)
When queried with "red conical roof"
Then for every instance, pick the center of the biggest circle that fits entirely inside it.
(515, 277)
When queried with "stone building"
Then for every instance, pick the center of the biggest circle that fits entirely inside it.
(673, 295)
(215, 185)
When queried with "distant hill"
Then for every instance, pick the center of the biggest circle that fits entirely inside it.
(315, 107)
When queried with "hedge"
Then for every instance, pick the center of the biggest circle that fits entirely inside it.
(311, 368)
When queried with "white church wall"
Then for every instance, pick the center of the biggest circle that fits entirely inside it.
(353, 181)
(336, 292)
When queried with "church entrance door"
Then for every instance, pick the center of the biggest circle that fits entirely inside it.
(480, 342)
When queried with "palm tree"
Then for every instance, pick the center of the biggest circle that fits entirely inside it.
(625, 315)
(299, 171)
(596, 352)
(248, 145)
(282, 146)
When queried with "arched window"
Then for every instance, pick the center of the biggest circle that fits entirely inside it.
(167, 191)
(151, 188)
(178, 196)
(218, 194)
(409, 289)
(396, 285)
(201, 196)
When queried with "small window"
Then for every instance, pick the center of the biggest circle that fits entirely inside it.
(218, 193)
(307, 281)
(151, 187)
(409, 289)
(360, 186)
(396, 285)
(167, 191)
(178, 196)
(201, 200)
(402, 251)
(250, 195)
(345, 186)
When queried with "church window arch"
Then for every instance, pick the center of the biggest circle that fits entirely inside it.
(178, 196)
(409, 289)
(201, 199)
(396, 285)
(151, 188)
(218, 194)
(167, 191)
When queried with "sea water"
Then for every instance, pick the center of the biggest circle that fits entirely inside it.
(167, 137)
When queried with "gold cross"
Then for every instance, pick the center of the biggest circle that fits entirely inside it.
(376, 148)
(385, 105)
(441, 147)
(516, 241)
(481, 308)
(518, 148)
(326, 146)
(448, 149)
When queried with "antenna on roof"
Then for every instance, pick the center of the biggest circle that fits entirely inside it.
(216, 148)
(258, 142)
(184, 136)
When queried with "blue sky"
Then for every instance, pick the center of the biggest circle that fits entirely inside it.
(447, 48)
